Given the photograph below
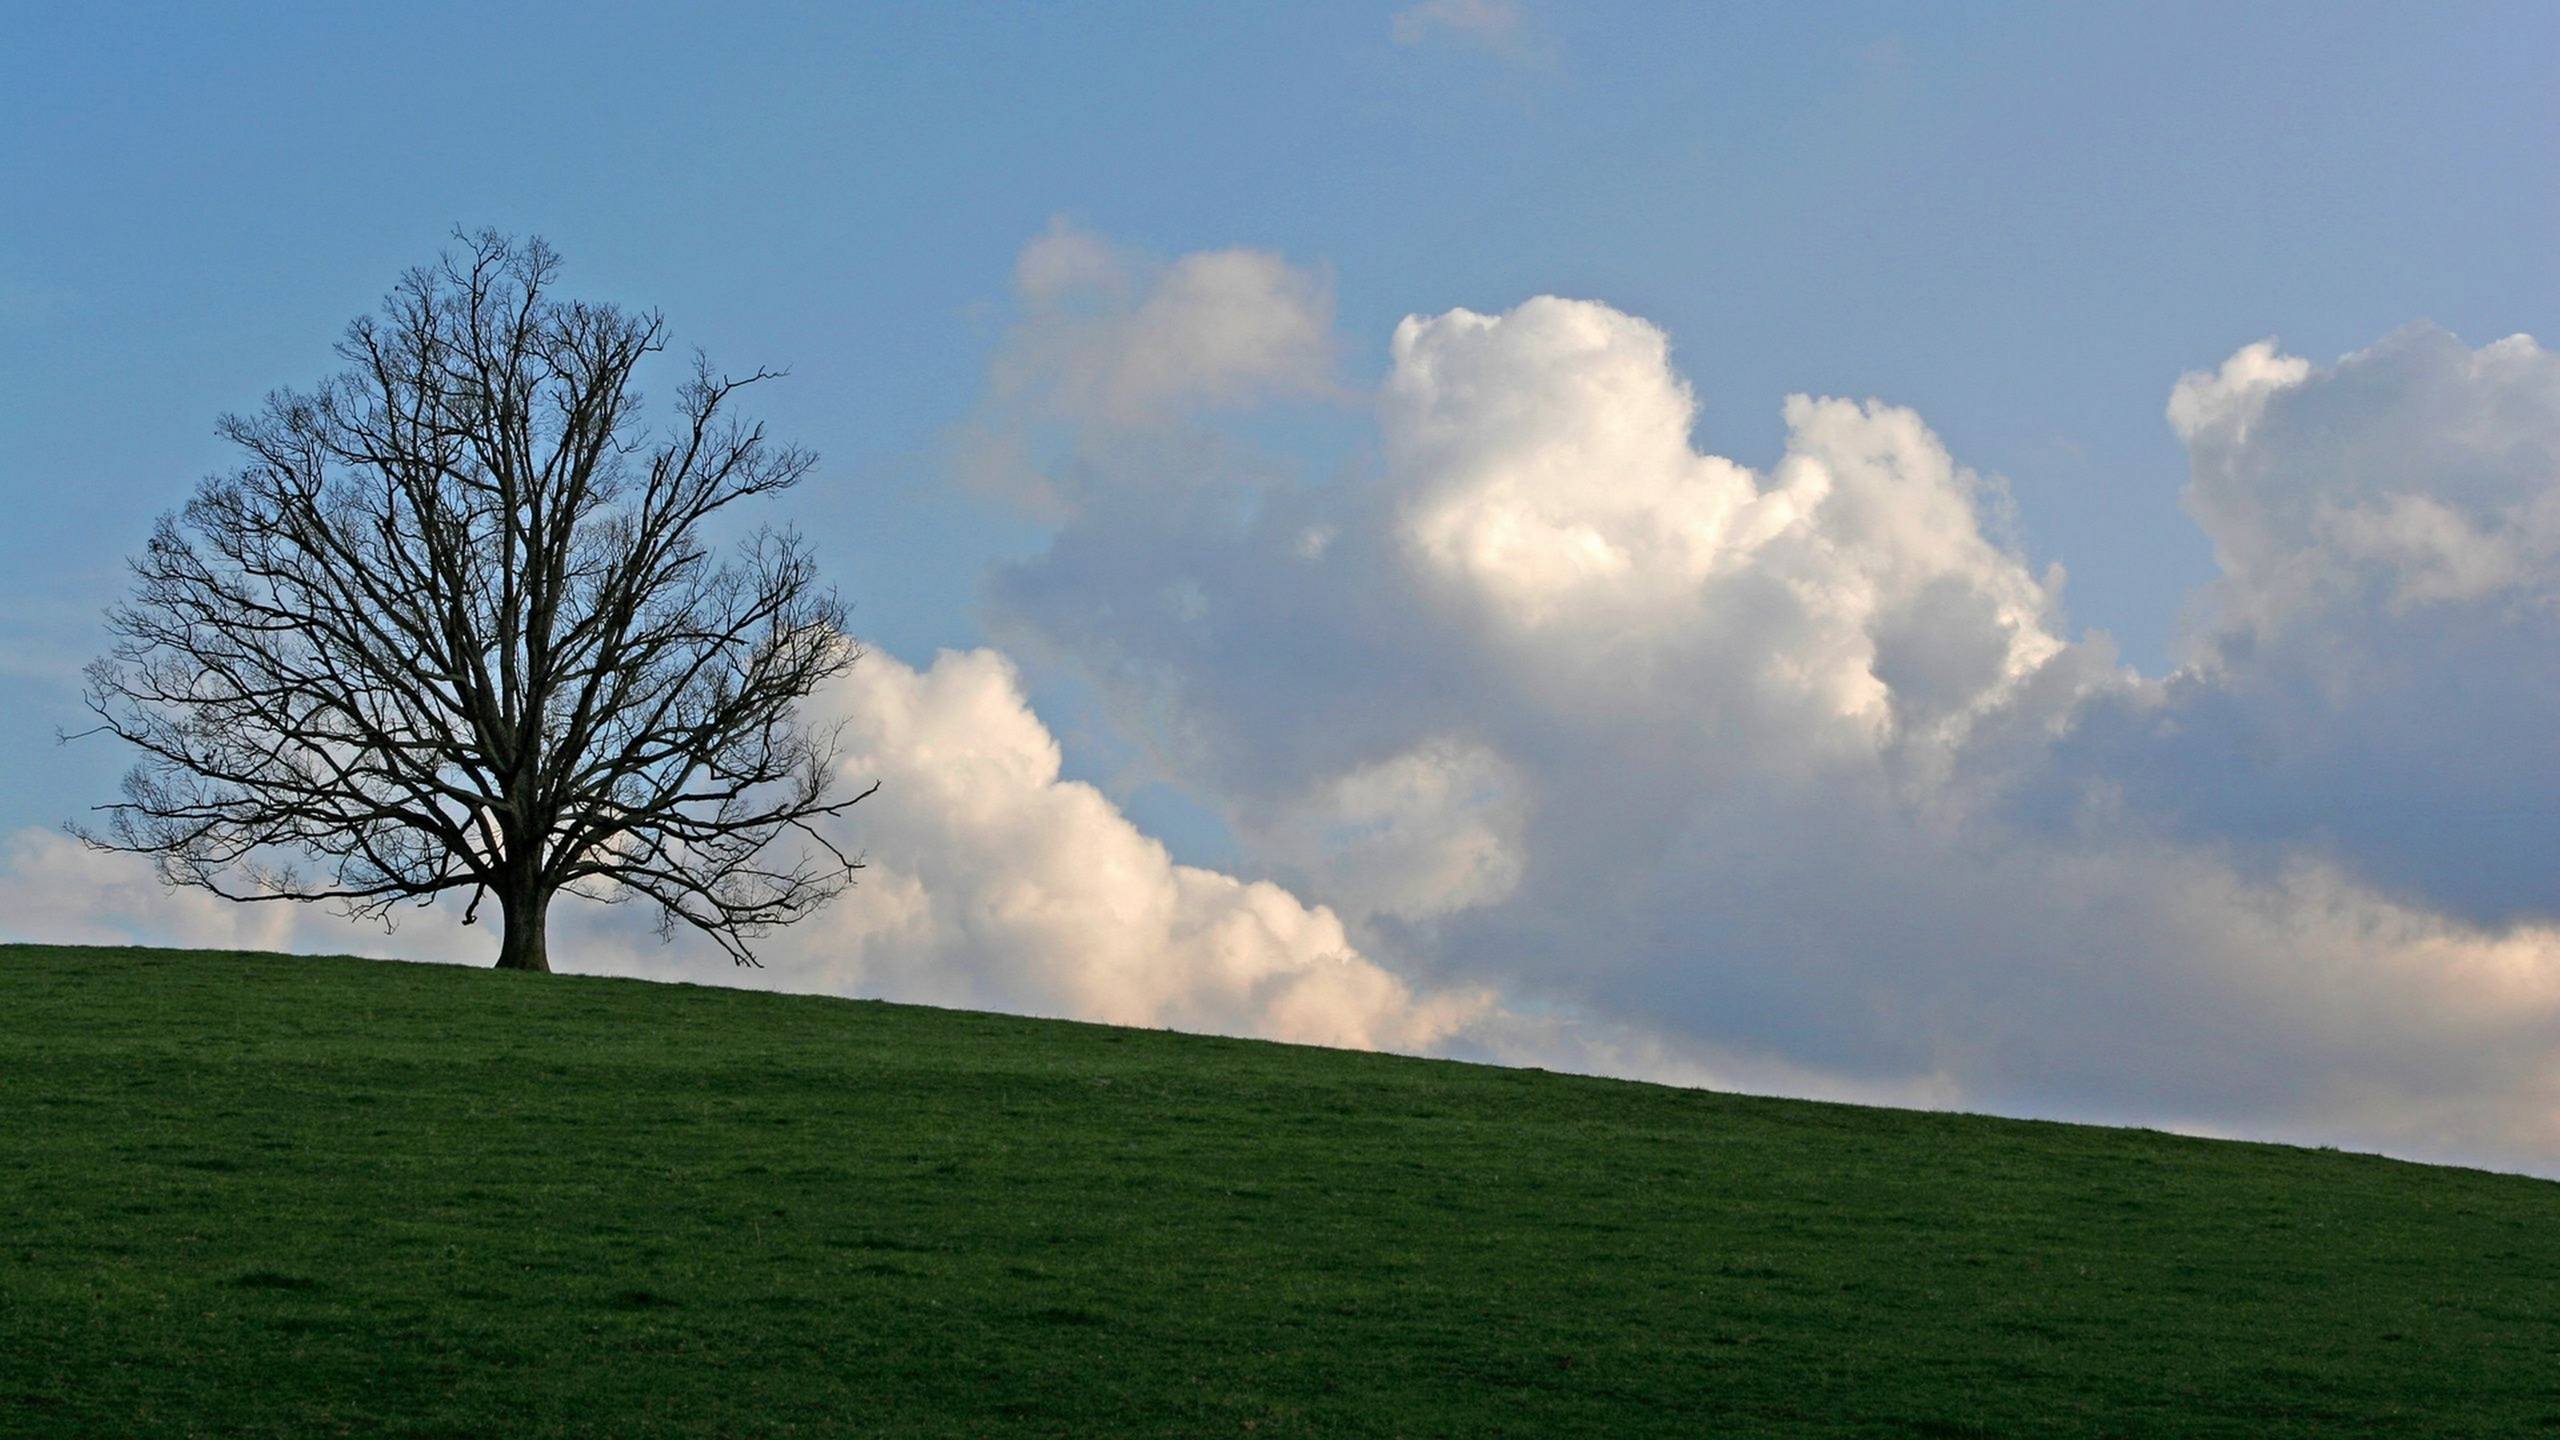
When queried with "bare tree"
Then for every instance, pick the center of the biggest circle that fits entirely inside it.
(456, 624)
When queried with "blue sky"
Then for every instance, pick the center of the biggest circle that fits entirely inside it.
(2025, 224)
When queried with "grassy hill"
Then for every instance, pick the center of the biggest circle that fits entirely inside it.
(271, 1195)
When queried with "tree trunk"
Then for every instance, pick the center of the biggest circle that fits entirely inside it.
(523, 947)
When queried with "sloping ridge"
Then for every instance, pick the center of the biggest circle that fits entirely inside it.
(285, 1195)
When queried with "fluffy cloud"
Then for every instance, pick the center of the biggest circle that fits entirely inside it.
(995, 884)
(1431, 831)
(2418, 473)
(1112, 352)
(1545, 574)
(1547, 485)
(53, 889)
(2373, 672)
(1107, 332)
(1546, 736)
(1796, 777)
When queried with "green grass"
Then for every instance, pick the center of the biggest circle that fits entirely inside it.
(269, 1195)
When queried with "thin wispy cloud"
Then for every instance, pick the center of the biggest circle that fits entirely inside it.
(1497, 27)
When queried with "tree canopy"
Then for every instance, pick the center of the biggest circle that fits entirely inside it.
(458, 623)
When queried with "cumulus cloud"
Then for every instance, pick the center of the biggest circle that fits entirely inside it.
(1545, 567)
(1113, 353)
(2417, 472)
(54, 889)
(1549, 486)
(1797, 775)
(1430, 831)
(1545, 735)
(1109, 333)
(2371, 676)
(994, 884)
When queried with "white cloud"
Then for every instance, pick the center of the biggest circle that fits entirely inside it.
(2417, 471)
(2372, 674)
(2229, 400)
(1113, 356)
(1577, 745)
(1426, 833)
(1106, 334)
(1547, 481)
(994, 884)
(54, 889)
(1544, 555)
(1769, 788)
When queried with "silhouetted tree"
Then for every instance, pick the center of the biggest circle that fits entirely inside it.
(456, 625)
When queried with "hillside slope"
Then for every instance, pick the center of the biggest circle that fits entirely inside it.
(269, 1195)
